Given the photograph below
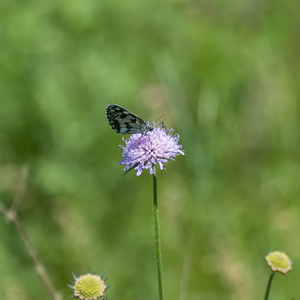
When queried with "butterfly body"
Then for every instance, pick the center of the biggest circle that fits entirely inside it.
(124, 121)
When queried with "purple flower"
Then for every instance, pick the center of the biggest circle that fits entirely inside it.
(142, 151)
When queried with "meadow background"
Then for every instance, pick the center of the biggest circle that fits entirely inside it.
(226, 74)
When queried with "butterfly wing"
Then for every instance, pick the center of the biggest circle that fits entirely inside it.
(123, 121)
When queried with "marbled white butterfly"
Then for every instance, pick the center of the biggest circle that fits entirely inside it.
(123, 121)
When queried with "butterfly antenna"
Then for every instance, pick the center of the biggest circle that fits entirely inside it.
(161, 117)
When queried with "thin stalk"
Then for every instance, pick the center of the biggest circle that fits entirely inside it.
(12, 215)
(269, 285)
(157, 237)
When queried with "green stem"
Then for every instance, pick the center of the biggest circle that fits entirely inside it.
(157, 237)
(269, 285)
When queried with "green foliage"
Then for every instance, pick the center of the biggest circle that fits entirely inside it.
(226, 73)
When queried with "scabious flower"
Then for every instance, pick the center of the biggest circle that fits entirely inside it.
(279, 261)
(89, 287)
(142, 151)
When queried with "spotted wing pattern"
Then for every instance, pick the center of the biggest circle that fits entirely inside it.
(123, 121)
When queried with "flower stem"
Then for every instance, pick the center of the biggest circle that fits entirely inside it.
(12, 215)
(269, 285)
(157, 237)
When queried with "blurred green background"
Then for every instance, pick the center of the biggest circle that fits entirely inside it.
(226, 73)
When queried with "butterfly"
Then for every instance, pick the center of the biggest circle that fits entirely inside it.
(124, 121)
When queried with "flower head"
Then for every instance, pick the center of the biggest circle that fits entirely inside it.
(89, 287)
(142, 151)
(279, 261)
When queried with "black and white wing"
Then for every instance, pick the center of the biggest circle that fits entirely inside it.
(123, 121)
